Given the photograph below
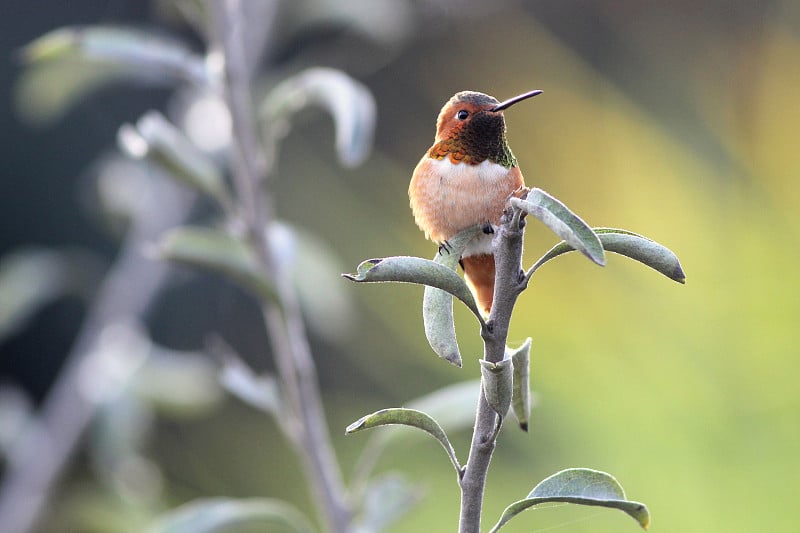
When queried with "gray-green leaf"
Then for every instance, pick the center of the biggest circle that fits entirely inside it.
(440, 332)
(521, 396)
(497, 385)
(258, 391)
(623, 242)
(155, 138)
(563, 222)
(386, 499)
(33, 277)
(180, 383)
(407, 417)
(441, 282)
(216, 251)
(407, 269)
(66, 64)
(582, 486)
(227, 515)
(452, 406)
(437, 305)
(348, 101)
(312, 266)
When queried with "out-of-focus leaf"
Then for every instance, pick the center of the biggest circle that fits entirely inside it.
(259, 391)
(125, 190)
(216, 251)
(44, 92)
(497, 385)
(16, 410)
(386, 500)
(563, 222)
(121, 349)
(437, 305)
(178, 382)
(407, 417)
(155, 138)
(155, 55)
(226, 515)
(202, 115)
(32, 277)
(453, 407)
(68, 63)
(116, 450)
(313, 268)
(348, 101)
(521, 398)
(581, 486)
(28, 279)
(623, 242)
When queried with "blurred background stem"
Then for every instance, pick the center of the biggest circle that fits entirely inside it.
(298, 377)
(41, 453)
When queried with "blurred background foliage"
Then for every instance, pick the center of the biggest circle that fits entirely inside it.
(676, 120)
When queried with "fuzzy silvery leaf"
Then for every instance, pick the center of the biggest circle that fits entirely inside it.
(521, 397)
(497, 385)
(581, 486)
(442, 284)
(437, 304)
(629, 244)
(407, 417)
(453, 408)
(563, 222)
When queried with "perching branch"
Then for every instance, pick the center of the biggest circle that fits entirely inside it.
(507, 247)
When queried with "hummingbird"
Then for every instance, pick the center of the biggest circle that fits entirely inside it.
(465, 179)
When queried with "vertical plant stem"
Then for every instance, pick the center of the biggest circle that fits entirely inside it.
(507, 246)
(307, 425)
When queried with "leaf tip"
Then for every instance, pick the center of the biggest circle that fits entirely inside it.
(454, 359)
(678, 275)
(596, 256)
(355, 426)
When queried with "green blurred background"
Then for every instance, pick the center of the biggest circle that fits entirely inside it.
(678, 121)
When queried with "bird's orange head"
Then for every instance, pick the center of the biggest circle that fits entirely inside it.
(471, 129)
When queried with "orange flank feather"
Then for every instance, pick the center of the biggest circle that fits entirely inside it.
(479, 275)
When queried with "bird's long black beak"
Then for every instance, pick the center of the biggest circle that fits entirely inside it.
(511, 101)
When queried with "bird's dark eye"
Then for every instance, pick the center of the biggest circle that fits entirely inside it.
(462, 115)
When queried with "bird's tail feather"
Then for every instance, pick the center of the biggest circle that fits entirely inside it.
(479, 275)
